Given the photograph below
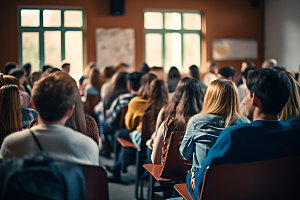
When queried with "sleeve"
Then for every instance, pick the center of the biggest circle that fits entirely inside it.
(130, 120)
(157, 145)
(187, 146)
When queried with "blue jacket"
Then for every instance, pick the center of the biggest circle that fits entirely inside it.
(259, 140)
(201, 134)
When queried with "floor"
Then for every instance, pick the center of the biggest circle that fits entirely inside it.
(125, 190)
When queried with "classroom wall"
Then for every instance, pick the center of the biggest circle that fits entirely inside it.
(282, 32)
(221, 19)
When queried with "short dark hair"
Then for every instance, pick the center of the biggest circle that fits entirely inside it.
(228, 71)
(9, 66)
(45, 67)
(247, 70)
(53, 95)
(134, 80)
(272, 87)
(194, 71)
(17, 72)
(65, 65)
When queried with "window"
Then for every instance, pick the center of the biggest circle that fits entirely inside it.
(49, 35)
(172, 38)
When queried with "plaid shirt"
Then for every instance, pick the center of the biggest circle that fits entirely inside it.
(116, 107)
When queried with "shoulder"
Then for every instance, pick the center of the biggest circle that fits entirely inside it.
(294, 122)
(16, 137)
(207, 118)
(241, 119)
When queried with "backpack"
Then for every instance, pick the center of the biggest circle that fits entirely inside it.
(39, 177)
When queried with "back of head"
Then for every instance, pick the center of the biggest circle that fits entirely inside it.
(186, 102)
(50, 71)
(17, 72)
(108, 72)
(144, 68)
(10, 110)
(272, 87)
(158, 97)
(222, 98)
(247, 71)
(228, 72)
(9, 66)
(94, 78)
(134, 79)
(45, 67)
(53, 95)
(173, 78)
(8, 79)
(159, 72)
(271, 62)
(292, 108)
(121, 67)
(27, 68)
(145, 85)
(194, 72)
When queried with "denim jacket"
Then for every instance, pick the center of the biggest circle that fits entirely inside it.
(201, 133)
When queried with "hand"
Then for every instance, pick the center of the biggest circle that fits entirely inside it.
(193, 183)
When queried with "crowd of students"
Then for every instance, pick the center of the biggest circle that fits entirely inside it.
(254, 118)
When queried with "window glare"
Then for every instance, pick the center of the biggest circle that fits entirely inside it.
(30, 49)
(173, 21)
(52, 18)
(30, 17)
(52, 40)
(153, 20)
(73, 19)
(191, 54)
(192, 21)
(154, 49)
(173, 50)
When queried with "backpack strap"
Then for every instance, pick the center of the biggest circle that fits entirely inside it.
(37, 141)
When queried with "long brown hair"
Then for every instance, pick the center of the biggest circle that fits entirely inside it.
(222, 98)
(144, 90)
(10, 110)
(158, 97)
(186, 102)
(94, 79)
(292, 108)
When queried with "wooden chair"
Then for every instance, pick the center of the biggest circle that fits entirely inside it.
(96, 182)
(174, 168)
(181, 188)
(268, 179)
(90, 103)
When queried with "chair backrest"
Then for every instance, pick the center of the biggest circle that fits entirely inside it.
(175, 167)
(269, 179)
(90, 103)
(96, 182)
(122, 117)
(147, 130)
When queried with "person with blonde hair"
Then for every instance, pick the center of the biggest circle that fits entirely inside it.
(220, 109)
(10, 110)
(292, 108)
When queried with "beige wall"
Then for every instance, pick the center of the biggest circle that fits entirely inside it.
(221, 19)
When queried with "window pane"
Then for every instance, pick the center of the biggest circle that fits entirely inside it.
(192, 21)
(73, 19)
(154, 49)
(173, 21)
(30, 17)
(52, 48)
(153, 20)
(74, 53)
(173, 50)
(52, 18)
(191, 47)
(30, 49)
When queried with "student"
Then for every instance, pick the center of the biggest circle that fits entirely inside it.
(10, 111)
(264, 138)
(186, 102)
(227, 72)
(220, 110)
(212, 73)
(54, 98)
(292, 108)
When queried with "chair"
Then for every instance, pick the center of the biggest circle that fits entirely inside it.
(181, 188)
(96, 182)
(174, 168)
(90, 103)
(268, 179)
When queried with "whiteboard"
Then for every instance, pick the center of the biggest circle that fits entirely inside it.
(114, 46)
(234, 49)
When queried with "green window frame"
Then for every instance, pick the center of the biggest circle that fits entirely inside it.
(183, 68)
(41, 29)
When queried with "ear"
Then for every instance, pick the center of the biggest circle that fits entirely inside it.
(256, 101)
(70, 111)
